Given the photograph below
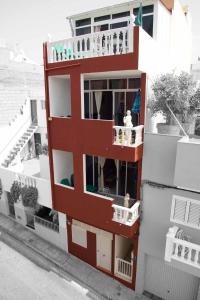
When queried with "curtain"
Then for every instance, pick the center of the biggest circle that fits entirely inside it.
(98, 97)
(102, 161)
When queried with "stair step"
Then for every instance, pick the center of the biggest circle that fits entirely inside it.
(30, 130)
(16, 148)
(26, 134)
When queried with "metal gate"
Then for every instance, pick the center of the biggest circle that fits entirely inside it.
(169, 283)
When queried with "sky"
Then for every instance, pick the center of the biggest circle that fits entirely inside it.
(28, 22)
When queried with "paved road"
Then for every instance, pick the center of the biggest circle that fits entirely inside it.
(23, 279)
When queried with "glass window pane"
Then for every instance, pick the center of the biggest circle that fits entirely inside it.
(145, 10)
(102, 18)
(82, 31)
(119, 108)
(101, 28)
(134, 83)
(118, 84)
(132, 179)
(89, 170)
(99, 84)
(86, 106)
(147, 24)
(86, 85)
(121, 15)
(110, 175)
(83, 22)
(118, 25)
(122, 175)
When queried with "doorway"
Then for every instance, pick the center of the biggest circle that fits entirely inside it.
(104, 250)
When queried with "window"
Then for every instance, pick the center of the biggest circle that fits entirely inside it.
(82, 31)
(42, 104)
(118, 25)
(121, 15)
(185, 211)
(102, 18)
(79, 236)
(147, 18)
(83, 22)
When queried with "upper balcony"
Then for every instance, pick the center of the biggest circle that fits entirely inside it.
(104, 43)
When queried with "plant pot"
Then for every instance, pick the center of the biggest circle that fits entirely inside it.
(168, 129)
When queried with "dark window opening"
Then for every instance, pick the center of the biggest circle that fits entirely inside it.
(134, 83)
(121, 15)
(147, 24)
(82, 31)
(101, 18)
(83, 22)
(118, 83)
(98, 84)
(145, 10)
(118, 25)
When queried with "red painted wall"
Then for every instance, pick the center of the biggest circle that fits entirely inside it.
(94, 137)
(87, 254)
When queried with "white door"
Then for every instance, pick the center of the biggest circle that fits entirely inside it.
(169, 283)
(104, 251)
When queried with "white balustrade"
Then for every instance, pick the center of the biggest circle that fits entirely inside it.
(124, 215)
(181, 250)
(109, 42)
(25, 180)
(123, 268)
(128, 136)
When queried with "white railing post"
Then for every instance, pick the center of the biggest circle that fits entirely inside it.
(169, 247)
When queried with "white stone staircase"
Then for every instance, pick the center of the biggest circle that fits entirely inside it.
(19, 146)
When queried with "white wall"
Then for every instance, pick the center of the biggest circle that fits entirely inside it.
(187, 168)
(181, 39)
(60, 96)
(63, 165)
(159, 158)
(41, 114)
(44, 167)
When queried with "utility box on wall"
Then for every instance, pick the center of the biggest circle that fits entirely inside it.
(187, 167)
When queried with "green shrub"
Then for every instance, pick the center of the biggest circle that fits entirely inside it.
(29, 196)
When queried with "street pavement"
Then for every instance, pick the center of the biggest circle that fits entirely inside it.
(21, 279)
(54, 260)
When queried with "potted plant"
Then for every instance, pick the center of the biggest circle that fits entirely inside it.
(15, 191)
(29, 198)
(176, 92)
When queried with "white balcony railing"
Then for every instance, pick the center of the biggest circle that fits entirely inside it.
(128, 136)
(47, 224)
(124, 215)
(181, 250)
(109, 42)
(123, 268)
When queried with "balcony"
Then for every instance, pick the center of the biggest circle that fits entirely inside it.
(126, 136)
(124, 215)
(180, 250)
(105, 43)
